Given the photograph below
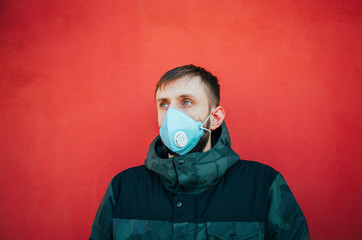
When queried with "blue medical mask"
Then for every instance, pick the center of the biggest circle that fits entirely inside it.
(179, 132)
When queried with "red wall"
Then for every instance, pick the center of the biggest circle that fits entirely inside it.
(77, 81)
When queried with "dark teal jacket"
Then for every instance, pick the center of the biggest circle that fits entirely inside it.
(211, 195)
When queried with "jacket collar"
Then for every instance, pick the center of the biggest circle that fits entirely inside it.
(193, 172)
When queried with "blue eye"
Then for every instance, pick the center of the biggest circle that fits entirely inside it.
(163, 104)
(187, 102)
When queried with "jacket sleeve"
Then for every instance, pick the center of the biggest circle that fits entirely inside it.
(285, 219)
(102, 225)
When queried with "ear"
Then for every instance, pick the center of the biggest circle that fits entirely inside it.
(217, 117)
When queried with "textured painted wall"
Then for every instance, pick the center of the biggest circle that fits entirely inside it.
(77, 81)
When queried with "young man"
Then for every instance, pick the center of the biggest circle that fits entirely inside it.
(193, 185)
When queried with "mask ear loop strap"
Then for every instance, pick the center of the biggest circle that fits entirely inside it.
(206, 121)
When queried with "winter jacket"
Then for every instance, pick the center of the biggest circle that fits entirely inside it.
(211, 195)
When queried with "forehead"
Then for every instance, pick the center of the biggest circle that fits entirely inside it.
(183, 86)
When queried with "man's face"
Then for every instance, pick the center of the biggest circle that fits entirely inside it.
(187, 95)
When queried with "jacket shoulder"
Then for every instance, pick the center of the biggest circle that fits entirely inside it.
(257, 165)
(130, 178)
(254, 169)
(132, 172)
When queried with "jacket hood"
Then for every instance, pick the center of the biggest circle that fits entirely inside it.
(193, 172)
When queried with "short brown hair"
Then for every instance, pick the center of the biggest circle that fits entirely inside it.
(193, 71)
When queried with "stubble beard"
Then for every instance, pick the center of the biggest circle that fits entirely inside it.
(200, 146)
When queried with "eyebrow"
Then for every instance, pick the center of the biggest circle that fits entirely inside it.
(161, 99)
(187, 96)
(181, 96)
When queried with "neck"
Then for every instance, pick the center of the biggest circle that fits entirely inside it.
(208, 145)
